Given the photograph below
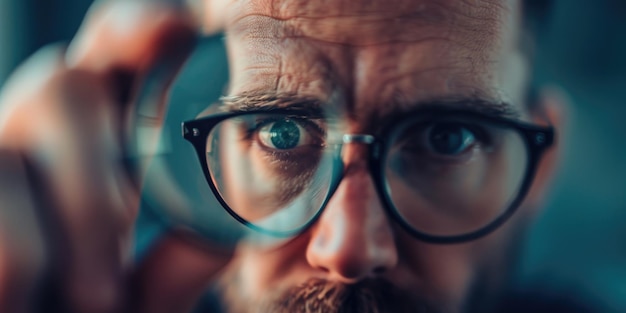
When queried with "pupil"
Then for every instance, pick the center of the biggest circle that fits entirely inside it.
(285, 134)
(447, 139)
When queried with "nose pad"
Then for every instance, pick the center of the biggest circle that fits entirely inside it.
(353, 238)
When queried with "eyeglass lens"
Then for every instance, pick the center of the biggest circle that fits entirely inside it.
(453, 176)
(444, 177)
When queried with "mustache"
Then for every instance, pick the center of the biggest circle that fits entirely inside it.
(368, 296)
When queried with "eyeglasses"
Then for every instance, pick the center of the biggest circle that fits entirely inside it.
(444, 175)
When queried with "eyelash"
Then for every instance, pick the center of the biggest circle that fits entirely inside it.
(318, 126)
(265, 121)
(308, 124)
(480, 133)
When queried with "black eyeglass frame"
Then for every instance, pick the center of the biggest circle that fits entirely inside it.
(536, 138)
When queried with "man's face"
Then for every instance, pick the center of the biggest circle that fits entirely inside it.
(371, 61)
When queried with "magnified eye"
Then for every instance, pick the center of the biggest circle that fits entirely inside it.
(283, 134)
(450, 139)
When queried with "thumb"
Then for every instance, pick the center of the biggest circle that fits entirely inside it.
(131, 36)
(139, 46)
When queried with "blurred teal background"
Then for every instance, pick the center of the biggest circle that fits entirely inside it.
(580, 238)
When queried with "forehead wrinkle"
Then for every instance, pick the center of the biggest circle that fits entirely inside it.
(286, 9)
(432, 10)
(337, 20)
(345, 21)
(469, 28)
(333, 30)
(282, 63)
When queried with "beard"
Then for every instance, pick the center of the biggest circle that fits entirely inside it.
(321, 296)
(491, 280)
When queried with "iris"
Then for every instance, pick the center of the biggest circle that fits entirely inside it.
(284, 134)
(450, 139)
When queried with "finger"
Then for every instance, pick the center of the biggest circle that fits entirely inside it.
(140, 46)
(131, 35)
(21, 248)
(75, 159)
(128, 40)
(176, 272)
(66, 123)
(76, 110)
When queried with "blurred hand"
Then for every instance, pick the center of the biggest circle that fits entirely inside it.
(67, 202)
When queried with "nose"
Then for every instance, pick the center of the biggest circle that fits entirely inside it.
(353, 238)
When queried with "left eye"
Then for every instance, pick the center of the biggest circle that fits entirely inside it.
(449, 139)
(282, 134)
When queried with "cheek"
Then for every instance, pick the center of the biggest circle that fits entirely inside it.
(265, 271)
(444, 271)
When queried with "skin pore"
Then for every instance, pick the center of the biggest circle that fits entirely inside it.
(371, 60)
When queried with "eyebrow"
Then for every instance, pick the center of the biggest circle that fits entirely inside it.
(268, 101)
(489, 108)
(274, 101)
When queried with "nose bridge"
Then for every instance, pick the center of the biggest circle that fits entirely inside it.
(354, 151)
(358, 138)
(353, 238)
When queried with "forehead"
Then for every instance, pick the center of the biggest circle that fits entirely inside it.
(376, 55)
(362, 22)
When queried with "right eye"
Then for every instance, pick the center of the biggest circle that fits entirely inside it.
(286, 134)
(450, 139)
